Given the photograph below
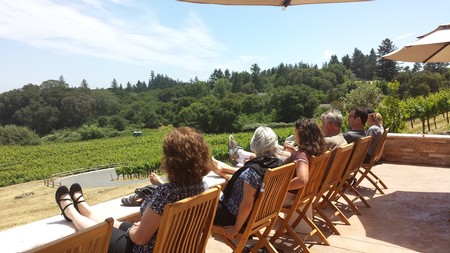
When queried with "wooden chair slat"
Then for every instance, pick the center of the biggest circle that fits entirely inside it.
(92, 239)
(265, 210)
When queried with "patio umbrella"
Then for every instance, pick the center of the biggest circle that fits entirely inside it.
(284, 3)
(431, 47)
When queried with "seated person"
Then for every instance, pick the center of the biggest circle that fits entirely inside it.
(239, 194)
(331, 127)
(375, 123)
(356, 121)
(186, 160)
(310, 142)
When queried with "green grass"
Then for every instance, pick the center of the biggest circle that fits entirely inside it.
(440, 127)
(19, 164)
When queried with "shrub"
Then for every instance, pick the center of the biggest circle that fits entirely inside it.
(17, 135)
(89, 133)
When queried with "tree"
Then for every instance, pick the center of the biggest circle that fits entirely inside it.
(197, 115)
(197, 89)
(370, 66)
(392, 109)
(347, 61)
(255, 72)
(17, 135)
(84, 84)
(221, 88)
(333, 60)
(216, 75)
(358, 63)
(117, 123)
(61, 79)
(417, 67)
(294, 101)
(386, 69)
(421, 84)
(76, 109)
(104, 103)
(366, 94)
(440, 68)
(114, 85)
(151, 119)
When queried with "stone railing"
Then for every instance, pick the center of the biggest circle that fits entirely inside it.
(424, 149)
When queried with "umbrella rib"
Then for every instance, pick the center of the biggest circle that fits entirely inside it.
(437, 51)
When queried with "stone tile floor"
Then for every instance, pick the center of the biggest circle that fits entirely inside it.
(412, 216)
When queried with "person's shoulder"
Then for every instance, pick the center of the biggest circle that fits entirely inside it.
(374, 130)
(335, 141)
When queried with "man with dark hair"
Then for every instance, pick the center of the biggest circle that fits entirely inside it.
(356, 121)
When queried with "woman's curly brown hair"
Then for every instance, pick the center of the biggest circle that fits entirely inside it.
(186, 156)
(311, 137)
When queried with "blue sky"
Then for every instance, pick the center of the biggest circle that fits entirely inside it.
(125, 39)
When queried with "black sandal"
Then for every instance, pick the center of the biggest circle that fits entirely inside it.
(73, 189)
(133, 200)
(62, 190)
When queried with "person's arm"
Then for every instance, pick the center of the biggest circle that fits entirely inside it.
(302, 175)
(141, 233)
(244, 211)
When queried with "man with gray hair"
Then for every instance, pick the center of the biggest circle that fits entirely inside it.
(331, 127)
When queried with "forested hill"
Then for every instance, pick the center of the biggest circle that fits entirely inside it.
(229, 101)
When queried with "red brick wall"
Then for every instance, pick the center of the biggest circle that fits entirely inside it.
(417, 149)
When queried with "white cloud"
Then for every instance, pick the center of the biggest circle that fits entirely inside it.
(402, 37)
(326, 55)
(80, 30)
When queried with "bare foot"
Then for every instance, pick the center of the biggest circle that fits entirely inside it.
(155, 179)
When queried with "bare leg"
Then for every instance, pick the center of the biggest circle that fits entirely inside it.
(243, 156)
(155, 179)
(86, 217)
(223, 169)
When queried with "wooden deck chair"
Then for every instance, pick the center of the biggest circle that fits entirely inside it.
(336, 167)
(366, 168)
(302, 203)
(356, 159)
(186, 224)
(92, 239)
(265, 210)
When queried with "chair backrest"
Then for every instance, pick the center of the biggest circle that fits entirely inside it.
(336, 167)
(270, 197)
(186, 224)
(92, 239)
(379, 150)
(357, 158)
(317, 167)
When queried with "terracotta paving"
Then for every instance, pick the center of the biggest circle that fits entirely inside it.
(412, 216)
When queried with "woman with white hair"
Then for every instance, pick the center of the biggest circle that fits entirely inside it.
(310, 142)
(239, 194)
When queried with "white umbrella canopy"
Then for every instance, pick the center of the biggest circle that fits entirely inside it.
(431, 47)
(284, 3)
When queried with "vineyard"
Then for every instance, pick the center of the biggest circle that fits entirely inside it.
(19, 164)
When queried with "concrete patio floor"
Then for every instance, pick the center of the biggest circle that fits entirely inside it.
(412, 216)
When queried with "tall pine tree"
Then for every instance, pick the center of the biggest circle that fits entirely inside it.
(386, 69)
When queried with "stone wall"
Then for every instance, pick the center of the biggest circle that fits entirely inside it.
(425, 149)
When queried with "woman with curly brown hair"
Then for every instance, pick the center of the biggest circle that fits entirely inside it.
(186, 159)
(310, 142)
